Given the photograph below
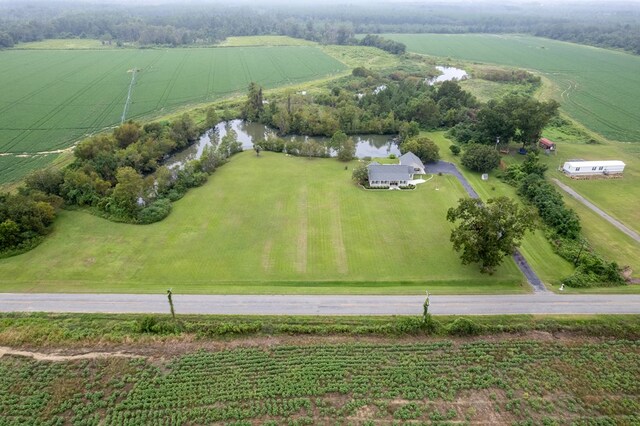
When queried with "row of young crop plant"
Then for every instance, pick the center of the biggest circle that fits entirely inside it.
(527, 380)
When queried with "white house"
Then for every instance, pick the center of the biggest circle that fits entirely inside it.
(389, 175)
(395, 175)
(578, 168)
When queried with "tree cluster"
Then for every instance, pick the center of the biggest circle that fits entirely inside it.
(515, 117)
(366, 103)
(24, 219)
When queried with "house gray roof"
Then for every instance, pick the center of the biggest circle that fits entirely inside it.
(389, 172)
(410, 159)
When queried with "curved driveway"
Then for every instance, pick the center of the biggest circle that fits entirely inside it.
(451, 169)
(541, 303)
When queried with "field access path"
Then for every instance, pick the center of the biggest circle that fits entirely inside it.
(451, 169)
(622, 227)
(539, 303)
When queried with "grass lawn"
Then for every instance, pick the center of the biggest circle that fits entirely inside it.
(550, 267)
(618, 197)
(268, 224)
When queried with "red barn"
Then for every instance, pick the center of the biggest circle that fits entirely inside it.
(547, 144)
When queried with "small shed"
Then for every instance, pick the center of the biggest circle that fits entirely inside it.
(547, 144)
(593, 168)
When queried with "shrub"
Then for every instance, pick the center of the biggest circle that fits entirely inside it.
(146, 324)
(409, 325)
(464, 327)
(360, 174)
(155, 212)
(455, 149)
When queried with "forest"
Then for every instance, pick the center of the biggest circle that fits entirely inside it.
(199, 23)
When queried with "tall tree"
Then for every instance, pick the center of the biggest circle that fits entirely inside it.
(127, 133)
(212, 118)
(253, 107)
(128, 190)
(529, 116)
(487, 233)
(480, 158)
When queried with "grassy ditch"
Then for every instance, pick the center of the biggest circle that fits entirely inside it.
(43, 330)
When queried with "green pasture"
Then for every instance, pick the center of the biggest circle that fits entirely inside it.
(265, 40)
(52, 98)
(362, 56)
(66, 44)
(597, 87)
(269, 224)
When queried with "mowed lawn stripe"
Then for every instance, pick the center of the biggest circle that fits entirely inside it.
(268, 224)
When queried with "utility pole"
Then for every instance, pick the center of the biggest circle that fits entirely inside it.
(169, 296)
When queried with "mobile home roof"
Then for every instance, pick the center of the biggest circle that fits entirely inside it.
(594, 163)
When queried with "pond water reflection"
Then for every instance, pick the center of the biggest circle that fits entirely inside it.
(366, 145)
(448, 73)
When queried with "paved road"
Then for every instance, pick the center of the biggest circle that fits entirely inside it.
(541, 303)
(451, 169)
(633, 234)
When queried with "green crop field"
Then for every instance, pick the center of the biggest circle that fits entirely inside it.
(597, 87)
(483, 382)
(268, 224)
(51, 98)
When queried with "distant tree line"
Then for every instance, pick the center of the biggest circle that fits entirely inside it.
(390, 46)
(196, 23)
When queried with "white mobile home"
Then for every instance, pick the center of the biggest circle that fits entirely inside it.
(593, 168)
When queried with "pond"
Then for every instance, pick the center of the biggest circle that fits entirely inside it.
(366, 145)
(448, 73)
